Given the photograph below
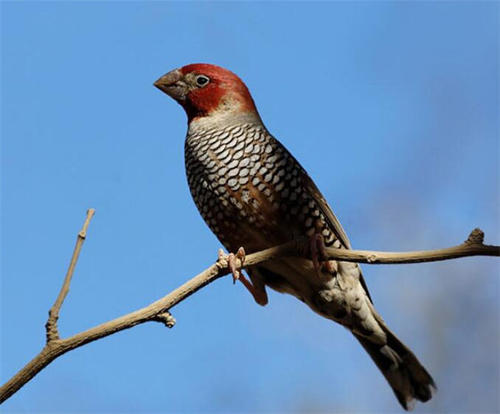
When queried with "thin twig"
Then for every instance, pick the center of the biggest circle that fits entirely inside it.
(51, 330)
(158, 311)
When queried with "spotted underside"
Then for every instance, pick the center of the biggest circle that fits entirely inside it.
(250, 190)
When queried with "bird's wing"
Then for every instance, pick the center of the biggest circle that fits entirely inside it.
(331, 219)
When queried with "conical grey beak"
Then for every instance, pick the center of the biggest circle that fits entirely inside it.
(172, 85)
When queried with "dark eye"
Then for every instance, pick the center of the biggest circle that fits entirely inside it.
(202, 80)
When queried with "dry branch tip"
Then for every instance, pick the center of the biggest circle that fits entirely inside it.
(476, 236)
(83, 232)
(51, 329)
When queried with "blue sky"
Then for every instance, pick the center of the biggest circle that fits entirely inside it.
(393, 109)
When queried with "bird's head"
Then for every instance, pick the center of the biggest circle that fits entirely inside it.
(206, 90)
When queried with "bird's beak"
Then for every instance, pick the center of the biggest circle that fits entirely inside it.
(173, 85)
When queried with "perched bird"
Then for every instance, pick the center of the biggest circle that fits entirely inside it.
(253, 193)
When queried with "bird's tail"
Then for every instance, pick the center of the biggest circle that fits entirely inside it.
(407, 377)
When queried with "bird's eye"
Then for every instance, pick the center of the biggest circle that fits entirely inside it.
(202, 80)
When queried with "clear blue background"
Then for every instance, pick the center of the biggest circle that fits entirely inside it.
(392, 108)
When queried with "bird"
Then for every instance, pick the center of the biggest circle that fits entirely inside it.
(253, 194)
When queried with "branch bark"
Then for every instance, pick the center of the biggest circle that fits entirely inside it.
(159, 311)
(51, 330)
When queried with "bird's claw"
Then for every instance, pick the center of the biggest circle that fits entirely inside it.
(231, 261)
(319, 256)
(240, 254)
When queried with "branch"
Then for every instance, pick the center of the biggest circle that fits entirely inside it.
(158, 311)
(473, 246)
(51, 330)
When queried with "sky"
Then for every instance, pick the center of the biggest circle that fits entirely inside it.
(393, 109)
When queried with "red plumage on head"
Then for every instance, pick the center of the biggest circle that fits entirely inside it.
(224, 88)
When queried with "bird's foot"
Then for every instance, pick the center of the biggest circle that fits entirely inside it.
(231, 262)
(319, 257)
(258, 292)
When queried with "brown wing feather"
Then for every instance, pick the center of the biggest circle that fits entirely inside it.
(332, 220)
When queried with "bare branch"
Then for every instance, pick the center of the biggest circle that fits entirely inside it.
(473, 246)
(158, 311)
(51, 330)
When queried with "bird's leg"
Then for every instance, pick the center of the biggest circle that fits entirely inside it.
(319, 257)
(313, 247)
(259, 293)
(231, 262)
(257, 288)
